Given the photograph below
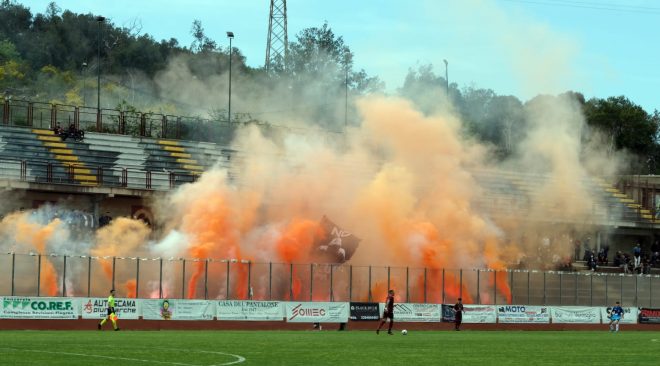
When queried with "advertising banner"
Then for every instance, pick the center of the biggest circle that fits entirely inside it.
(479, 314)
(317, 312)
(630, 315)
(96, 308)
(249, 310)
(575, 314)
(412, 312)
(365, 311)
(39, 308)
(166, 309)
(472, 313)
(523, 314)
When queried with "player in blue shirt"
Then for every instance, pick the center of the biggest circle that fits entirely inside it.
(616, 314)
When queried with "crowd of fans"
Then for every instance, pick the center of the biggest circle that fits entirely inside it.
(548, 256)
(639, 262)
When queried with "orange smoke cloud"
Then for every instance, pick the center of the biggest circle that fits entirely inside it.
(131, 287)
(123, 236)
(35, 236)
(410, 200)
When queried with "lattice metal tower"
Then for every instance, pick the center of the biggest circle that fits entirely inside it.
(277, 48)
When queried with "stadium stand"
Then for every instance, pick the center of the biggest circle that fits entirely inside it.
(137, 151)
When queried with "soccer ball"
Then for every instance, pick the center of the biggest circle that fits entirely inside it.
(404, 332)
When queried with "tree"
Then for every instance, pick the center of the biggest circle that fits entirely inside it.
(318, 54)
(201, 42)
(424, 88)
(627, 126)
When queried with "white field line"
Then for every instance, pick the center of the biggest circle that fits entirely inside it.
(239, 359)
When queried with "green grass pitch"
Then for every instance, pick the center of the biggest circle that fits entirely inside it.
(205, 348)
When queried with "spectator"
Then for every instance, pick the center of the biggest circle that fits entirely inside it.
(620, 261)
(655, 259)
(578, 247)
(592, 264)
(58, 129)
(105, 219)
(646, 265)
(637, 259)
(74, 133)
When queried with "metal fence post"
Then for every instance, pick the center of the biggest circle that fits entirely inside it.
(228, 269)
(183, 279)
(591, 290)
(89, 276)
(206, 278)
(370, 295)
(576, 288)
(478, 286)
(636, 294)
(511, 285)
(606, 289)
(460, 282)
(291, 281)
(388, 279)
(332, 295)
(545, 298)
(39, 275)
(425, 285)
(560, 287)
(137, 277)
(650, 292)
(350, 283)
(13, 266)
(270, 280)
(311, 282)
(64, 277)
(114, 260)
(495, 287)
(443, 285)
(160, 280)
(529, 276)
(407, 287)
(249, 284)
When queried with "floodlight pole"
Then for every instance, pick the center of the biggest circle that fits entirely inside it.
(99, 20)
(230, 35)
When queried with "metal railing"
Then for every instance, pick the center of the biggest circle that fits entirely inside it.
(74, 275)
(37, 171)
(22, 113)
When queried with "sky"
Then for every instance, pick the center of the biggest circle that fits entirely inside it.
(515, 47)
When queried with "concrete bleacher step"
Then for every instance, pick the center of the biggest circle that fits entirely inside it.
(65, 155)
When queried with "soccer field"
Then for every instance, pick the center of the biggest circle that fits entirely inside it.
(328, 348)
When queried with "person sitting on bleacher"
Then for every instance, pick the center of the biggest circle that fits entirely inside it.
(58, 130)
(74, 133)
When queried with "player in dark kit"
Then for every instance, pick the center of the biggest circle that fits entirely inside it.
(458, 314)
(388, 313)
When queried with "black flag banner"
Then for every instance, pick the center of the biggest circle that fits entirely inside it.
(334, 244)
